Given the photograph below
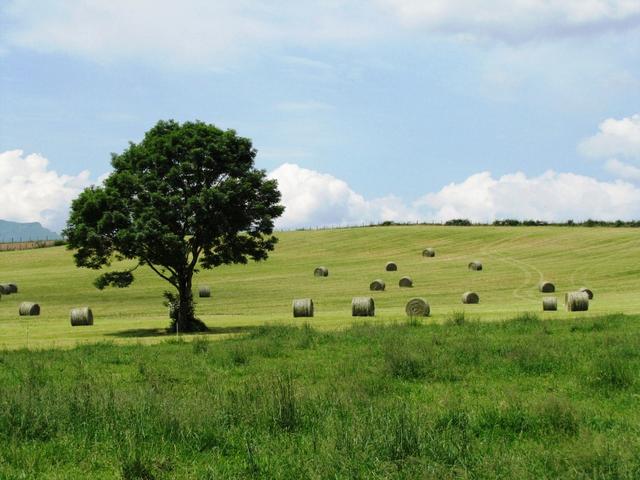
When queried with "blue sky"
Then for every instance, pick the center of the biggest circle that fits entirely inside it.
(363, 110)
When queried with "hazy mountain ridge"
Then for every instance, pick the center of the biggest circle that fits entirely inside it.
(16, 231)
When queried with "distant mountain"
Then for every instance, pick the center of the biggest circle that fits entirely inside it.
(15, 231)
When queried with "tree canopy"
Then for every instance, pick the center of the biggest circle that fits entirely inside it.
(187, 196)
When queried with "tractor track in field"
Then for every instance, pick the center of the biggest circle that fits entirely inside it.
(529, 270)
(525, 268)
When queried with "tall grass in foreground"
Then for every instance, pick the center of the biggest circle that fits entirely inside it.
(525, 398)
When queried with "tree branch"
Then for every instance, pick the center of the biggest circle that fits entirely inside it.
(196, 254)
(160, 273)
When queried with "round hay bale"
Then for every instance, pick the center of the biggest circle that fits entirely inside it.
(549, 304)
(363, 307)
(321, 272)
(418, 307)
(13, 287)
(377, 285)
(29, 308)
(475, 265)
(391, 267)
(5, 289)
(587, 291)
(405, 282)
(576, 301)
(546, 287)
(81, 316)
(204, 291)
(429, 252)
(470, 297)
(303, 307)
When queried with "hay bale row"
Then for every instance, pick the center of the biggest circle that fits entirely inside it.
(363, 307)
(429, 252)
(321, 272)
(418, 307)
(303, 307)
(81, 316)
(29, 309)
(549, 304)
(476, 265)
(204, 291)
(78, 316)
(576, 301)
(546, 287)
(378, 285)
(470, 297)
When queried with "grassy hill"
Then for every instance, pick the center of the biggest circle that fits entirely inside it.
(496, 392)
(515, 259)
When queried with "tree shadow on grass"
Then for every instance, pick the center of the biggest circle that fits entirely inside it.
(162, 332)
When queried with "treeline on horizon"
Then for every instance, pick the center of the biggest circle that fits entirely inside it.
(464, 222)
(512, 222)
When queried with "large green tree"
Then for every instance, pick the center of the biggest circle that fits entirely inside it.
(187, 196)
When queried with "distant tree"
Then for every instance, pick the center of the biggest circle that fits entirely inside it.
(507, 222)
(458, 222)
(187, 196)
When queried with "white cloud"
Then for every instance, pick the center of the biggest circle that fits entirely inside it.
(212, 33)
(517, 20)
(615, 137)
(31, 192)
(551, 196)
(622, 170)
(312, 198)
(216, 33)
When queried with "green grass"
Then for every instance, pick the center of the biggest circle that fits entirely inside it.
(523, 398)
(243, 297)
(495, 390)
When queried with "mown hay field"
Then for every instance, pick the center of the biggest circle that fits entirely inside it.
(515, 260)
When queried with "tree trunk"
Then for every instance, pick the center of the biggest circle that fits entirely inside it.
(185, 320)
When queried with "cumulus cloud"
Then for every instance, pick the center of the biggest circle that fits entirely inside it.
(622, 170)
(615, 137)
(551, 196)
(215, 32)
(313, 198)
(31, 192)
